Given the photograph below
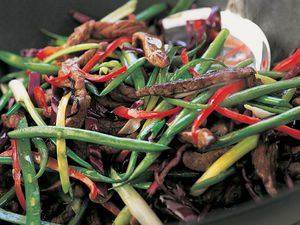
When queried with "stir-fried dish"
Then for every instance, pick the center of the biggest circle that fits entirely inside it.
(113, 124)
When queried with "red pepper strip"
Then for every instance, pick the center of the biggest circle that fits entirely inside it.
(128, 113)
(56, 81)
(288, 63)
(185, 59)
(16, 173)
(100, 56)
(107, 77)
(40, 98)
(251, 120)
(6, 153)
(49, 50)
(52, 164)
(214, 101)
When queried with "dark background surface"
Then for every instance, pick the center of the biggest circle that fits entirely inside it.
(20, 21)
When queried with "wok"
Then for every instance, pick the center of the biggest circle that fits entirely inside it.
(20, 22)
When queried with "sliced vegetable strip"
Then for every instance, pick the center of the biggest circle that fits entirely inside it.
(40, 98)
(47, 51)
(16, 172)
(32, 192)
(100, 56)
(128, 113)
(215, 100)
(97, 78)
(87, 136)
(61, 145)
(251, 120)
(288, 63)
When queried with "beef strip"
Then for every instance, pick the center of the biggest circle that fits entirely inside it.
(264, 159)
(65, 215)
(296, 101)
(153, 48)
(104, 30)
(294, 170)
(93, 217)
(124, 93)
(201, 161)
(85, 57)
(205, 138)
(76, 81)
(108, 30)
(197, 83)
(81, 33)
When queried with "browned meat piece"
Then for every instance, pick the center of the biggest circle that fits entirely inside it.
(83, 100)
(85, 57)
(264, 159)
(104, 125)
(296, 101)
(294, 170)
(65, 216)
(201, 161)
(81, 33)
(198, 83)
(153, 48)
(107, 102)
(80, 148)
(78, 191)
(123, 93)
(13, 120)
(107, 30)
(205, 138)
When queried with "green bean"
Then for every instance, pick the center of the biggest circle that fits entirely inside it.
(14, 75)
(244, 63)
(5, 160)
(213, 51)
(151, 12)
(17, 219)
(258, 91)
(95, 176)
(7, 197)
(213, 180)
(123, 218)
(275, 121)
(181, 5)
(137, 75)
(87, 136)
(269, 100)
(179, 73)
(72, 49)
(13, 59)
(289, 94)
(269, 109)
(76, 220)
(32, 192)
(42, 68)
(271, 73)
(185, 104)
(43, 150)
(118, 80)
